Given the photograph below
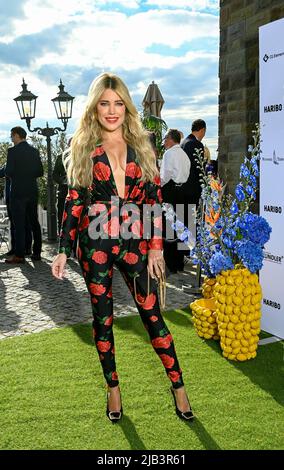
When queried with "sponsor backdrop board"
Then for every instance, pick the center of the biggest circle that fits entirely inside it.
(271, 65)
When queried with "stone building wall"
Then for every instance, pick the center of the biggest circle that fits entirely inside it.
(239, 78)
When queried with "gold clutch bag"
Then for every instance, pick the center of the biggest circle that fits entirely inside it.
(144, 285)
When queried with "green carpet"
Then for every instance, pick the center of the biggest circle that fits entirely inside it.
(53, 395)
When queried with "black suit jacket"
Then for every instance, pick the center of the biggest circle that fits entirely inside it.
(7, 184)
(23, 167)
(192, 187)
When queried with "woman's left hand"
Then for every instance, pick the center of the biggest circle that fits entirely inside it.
(156, 263)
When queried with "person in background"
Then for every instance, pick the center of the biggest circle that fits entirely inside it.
(60, 177)
(28, 235)
(190, 144)
(207, 155)
(212, 168)
(175, 168)
(23, 168)
(112, 162)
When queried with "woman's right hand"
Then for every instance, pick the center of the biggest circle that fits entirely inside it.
(58, 265)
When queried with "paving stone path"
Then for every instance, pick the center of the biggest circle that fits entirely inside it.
(32, 300)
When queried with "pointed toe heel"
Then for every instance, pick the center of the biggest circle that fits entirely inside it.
(113, 416)
(185, 415)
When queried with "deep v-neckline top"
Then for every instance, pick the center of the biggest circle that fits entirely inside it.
(112, 173)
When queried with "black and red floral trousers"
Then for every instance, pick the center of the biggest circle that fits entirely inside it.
(130, 256)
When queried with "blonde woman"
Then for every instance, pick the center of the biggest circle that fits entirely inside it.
(112, 165)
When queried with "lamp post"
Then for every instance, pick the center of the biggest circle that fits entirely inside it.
(63, 103)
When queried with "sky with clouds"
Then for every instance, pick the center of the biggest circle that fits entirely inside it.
(173, 42)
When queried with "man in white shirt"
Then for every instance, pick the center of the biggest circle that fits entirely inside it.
(175, 165)
(174, 172)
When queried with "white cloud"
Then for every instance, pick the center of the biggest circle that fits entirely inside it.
(87, 39)
(123, 3)
(195, 5)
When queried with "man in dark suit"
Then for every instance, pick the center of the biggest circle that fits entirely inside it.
(190, 144)
(28, 240)
(23, 168)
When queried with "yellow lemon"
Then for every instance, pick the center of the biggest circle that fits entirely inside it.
(230, 281)
(230, 290)
(223, 289)
(237, 310)
(247, 291)
(253, 340)
(239, 326)
(228, 309)
(238, 280)
(229, 299)
(239, 335)
(247, 300)
(207, 336)
(255, 324)
(230, 334)
(237, 300)
(225, 273)
(232, 357)
(239, 291)
(220, 317)
(244, 309)
(241, 357)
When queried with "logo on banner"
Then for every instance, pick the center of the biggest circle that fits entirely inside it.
(272, 303)
(273, 258)
(275, 158)
(273, 108)
(272, 209)
(266, 57)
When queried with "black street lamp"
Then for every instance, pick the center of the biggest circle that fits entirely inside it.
(63, 103)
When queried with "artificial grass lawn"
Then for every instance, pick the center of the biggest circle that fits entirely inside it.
(53, 395)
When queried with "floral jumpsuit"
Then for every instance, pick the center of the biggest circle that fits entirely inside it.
(97, 255)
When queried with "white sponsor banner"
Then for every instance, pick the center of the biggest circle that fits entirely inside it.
(271, 65)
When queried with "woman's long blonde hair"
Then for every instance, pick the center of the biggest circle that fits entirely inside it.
(89, 134)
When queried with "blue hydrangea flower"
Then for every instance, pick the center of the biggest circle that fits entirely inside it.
(251, 254)
(220, 262)
(255, 228)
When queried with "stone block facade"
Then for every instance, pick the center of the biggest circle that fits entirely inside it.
(239, 78)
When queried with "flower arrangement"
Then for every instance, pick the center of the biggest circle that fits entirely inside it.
(228, 233)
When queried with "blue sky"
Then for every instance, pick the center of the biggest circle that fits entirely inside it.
(140, 40)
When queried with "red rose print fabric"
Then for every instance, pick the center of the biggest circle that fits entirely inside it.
(90, 210)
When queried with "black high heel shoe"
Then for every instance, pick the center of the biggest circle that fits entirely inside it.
(113, 416)
(186, 415)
